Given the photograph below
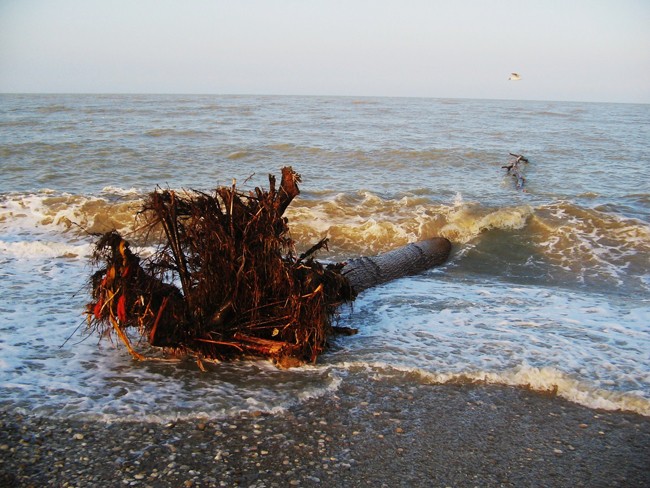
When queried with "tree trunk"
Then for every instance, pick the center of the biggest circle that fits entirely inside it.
(366, 272)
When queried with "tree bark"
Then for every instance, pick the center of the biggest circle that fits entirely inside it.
(366, 272)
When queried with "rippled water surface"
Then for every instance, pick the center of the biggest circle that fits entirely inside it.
(548, 287)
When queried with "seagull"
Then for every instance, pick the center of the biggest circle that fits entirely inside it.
(514, 77)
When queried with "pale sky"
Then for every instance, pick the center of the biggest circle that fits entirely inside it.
(568, 50)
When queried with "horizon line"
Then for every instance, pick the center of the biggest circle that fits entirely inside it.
(233, 94)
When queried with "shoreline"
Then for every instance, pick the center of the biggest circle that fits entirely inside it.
(367, 433)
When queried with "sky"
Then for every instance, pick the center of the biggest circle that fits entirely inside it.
(564, 50)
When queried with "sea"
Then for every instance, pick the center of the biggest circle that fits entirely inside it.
(547, 286)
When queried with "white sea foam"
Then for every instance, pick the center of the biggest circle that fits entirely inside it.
(44, 249)
(51, 367)
(66, 216)
(595, 352)
(465, 221)
(116, 190)
(545, 380)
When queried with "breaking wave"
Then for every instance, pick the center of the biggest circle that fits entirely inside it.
(561, 239)
(548, 380)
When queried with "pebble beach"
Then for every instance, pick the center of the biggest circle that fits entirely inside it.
(369, 433)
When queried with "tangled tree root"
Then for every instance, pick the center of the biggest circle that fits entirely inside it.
(243, 290)
(227, 282)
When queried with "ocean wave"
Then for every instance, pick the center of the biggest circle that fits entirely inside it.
(547, 380)
(54, 108)
(366, 223)
(167, 132)
(114, 391)
(466, 221)
(122, 192)
(62, 213)
(40, 149)
(561, 241)
(590, 243)
(553, 113)
(22, 123)
(237, 154)
(296, 149)
(43, 249)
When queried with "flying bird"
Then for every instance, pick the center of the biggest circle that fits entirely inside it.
(514, 77)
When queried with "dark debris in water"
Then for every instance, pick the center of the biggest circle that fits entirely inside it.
(515, 168)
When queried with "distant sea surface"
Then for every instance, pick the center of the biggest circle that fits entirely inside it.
(547, 287)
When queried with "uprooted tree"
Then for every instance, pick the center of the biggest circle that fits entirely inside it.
(226, 280)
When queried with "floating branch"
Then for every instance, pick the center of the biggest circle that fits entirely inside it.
(516, 170)
(226, 280)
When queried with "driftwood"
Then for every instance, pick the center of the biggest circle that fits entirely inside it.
(366, 272)
(516, 170)
(226, 280)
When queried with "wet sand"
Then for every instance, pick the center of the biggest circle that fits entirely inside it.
(367, 433)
